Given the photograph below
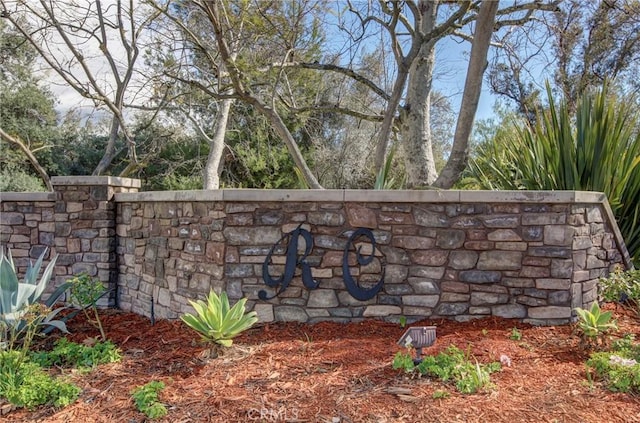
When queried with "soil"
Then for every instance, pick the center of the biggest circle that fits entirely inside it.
(332, 372)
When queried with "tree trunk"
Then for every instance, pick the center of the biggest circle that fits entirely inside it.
(473, 84)
(416, 130)
(289, 141)
(216, 147)
(34, 161)
(109, 150)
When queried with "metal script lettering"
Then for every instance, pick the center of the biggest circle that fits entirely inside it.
(352, 286)
(293, 261)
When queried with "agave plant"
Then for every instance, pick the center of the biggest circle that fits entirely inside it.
(594, 324)
(16, 297)
(216, 321)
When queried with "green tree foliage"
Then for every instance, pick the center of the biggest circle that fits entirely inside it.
(596, 149)
(27, 112)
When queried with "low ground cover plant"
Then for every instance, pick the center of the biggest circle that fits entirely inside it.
(451, 365)
(146, 399)
(70, 354)
(618, 368)
(25, 384)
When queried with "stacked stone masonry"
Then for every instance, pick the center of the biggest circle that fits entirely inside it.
(532, 256)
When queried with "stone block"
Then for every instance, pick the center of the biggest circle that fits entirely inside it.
(503, 235)
(549, 312)
(429, 257)
(509, 311)
(397, 289)
(361, 217)
(463, 260)
(519, 282)
(322, 298)
(421, 300)
(430, 219)
(500, 260)
(505, 221)
(480, 276)
(553, 284)
(454, 297)
(265, 313)
(394, 273)
(450, 239)
(423, 286)
(488, 298)
(451, 286)
(451, 309)
(261, 235)
(326, 218)
(381, 310)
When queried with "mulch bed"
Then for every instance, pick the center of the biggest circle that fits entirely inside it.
(331, 372)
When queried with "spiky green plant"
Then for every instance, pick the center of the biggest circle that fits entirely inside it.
(216, 321)
(597, 149)
(594, 324)
(16, 298)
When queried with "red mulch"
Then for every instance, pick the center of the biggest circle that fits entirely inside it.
(331, 372)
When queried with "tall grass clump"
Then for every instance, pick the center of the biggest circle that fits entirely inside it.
(596, 148)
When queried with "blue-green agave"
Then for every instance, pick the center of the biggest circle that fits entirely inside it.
(216, 321)
(17, 296)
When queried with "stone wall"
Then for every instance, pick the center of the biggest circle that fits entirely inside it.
(76, 223)
(533, 256)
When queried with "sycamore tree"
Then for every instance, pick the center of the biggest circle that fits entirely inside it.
(94, 49)
(254, 50)
(212, 54)
(575, 49)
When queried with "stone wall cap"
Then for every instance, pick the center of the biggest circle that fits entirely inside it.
(168, 196)
(27, 196)
(96, 180)
(367, 196)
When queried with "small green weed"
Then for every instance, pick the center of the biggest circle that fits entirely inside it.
(146, 399)
(403, 321)
(439, 394)
(516, 335)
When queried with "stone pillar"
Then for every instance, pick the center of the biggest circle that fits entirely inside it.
(85, 228)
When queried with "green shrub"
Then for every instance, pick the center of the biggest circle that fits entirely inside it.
(85, 292)
(145, 398)
(70, 354)
(596, 148)
(25, 384)
(622, 287)
(450, 365)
